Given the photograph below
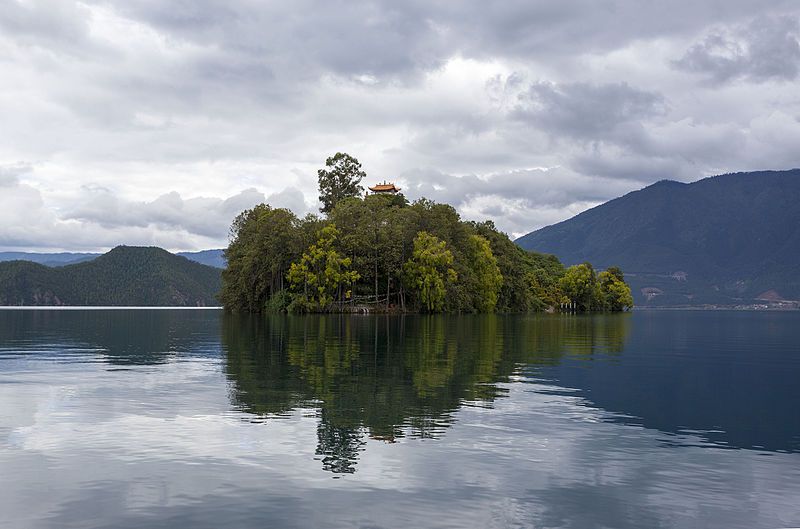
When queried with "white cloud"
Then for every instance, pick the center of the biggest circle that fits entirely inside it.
(96, 218)
(173, 110)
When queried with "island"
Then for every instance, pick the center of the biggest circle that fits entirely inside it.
(378, 252)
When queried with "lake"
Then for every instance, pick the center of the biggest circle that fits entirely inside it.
(194, 418)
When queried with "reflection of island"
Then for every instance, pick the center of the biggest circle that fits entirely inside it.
(390, 377)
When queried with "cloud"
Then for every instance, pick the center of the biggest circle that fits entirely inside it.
(614, 163)
(98, 218)
(45, 23)
(588, 111)
(387, 39)
(9, 174)
(765, 49)
(515, 200)
(134, 117)
(202, 216)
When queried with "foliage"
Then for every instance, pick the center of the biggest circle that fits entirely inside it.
(322, 272)
(264, 243)
(429, 269)
(391, 255)
(530, 279)
(544, 289)
(590, 291)
(615, 293)
(488, 274)
(579, 285)
(341, 179)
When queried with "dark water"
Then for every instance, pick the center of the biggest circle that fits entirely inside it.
(168, 418)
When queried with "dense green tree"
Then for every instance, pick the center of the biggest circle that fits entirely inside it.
(322, 272)
(340, 179)
(377, 232)
(430, 269)
(579, 285)
(544, 289)
(400, 230)
(404, 257)
(616, 272)
(488, 275)
(264, 243)
(614, 292)
(530, 279)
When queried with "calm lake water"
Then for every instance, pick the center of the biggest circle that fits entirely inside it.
(178, 418)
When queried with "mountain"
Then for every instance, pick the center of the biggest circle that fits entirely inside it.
(48, 259)
(213, 258)
(726, 240)
(125, 276)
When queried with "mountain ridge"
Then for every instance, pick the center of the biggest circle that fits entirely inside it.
(124, 276)
(213, 257)
(727, 239)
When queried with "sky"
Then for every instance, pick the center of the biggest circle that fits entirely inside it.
(145, 122)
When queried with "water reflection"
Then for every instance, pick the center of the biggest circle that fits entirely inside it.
(120, 420)
(697, 377)
(118, 337)
(726, 378)
(390, 377)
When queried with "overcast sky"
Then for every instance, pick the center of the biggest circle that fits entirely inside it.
(155, 122)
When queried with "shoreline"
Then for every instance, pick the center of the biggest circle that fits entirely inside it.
(103, 307)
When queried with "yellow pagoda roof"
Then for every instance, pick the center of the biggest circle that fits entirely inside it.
(384, 188)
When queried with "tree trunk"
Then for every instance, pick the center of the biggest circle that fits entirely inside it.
(376, 267)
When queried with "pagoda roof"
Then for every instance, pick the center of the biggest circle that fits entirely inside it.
(384, 188)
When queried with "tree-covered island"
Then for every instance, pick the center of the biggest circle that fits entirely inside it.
(381, 253)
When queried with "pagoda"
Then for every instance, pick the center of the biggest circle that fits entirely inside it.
(385, 188)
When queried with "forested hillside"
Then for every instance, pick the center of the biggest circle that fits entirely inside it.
(125, 276)
(207, 257)
(729, 239)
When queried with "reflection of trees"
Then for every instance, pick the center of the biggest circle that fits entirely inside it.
(264, 381)
(339, 446)
(389, 377)
(546, 339)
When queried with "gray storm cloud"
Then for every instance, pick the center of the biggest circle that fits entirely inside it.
(765, 49)
(149, 122)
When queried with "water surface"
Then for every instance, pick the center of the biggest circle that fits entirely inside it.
(163, 418)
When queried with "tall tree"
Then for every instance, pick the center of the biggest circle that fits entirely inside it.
(579, 285)
(430, 269)
(322, 271)
(340, 179)
(487, 272)
(382, 249)
(263, 245)
(614, 292)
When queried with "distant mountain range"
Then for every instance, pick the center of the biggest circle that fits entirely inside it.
(125, 276)
(213, 258)
(732, 239)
